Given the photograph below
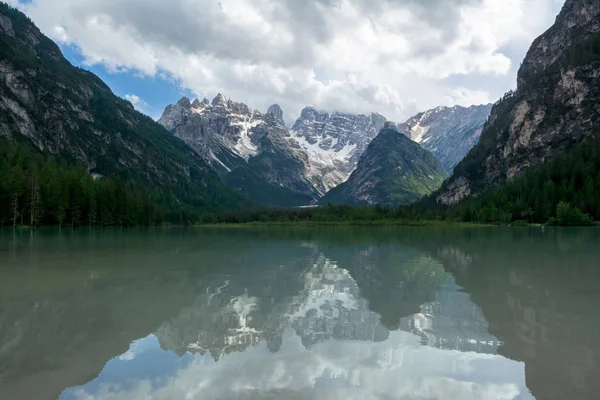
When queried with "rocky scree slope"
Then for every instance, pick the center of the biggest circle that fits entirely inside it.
(556, 104)
(70, 113)
(394, 170)
(448, 132)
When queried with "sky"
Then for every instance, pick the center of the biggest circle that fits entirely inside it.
(395, 57)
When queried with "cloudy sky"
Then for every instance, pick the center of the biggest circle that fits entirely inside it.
(396, 57)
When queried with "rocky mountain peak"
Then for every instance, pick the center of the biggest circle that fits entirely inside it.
(277, 113)
(393, 170)
(378, 120)
(310, 113)
(577, 18)
(390, 125)
(334, 143)
(252, 152)
(185, 102)
(196, 104)
(219, 100)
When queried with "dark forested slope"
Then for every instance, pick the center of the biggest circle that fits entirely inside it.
(69, 114)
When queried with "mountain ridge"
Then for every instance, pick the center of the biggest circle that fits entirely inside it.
(393, 170)
(69, 113)
(448, 132)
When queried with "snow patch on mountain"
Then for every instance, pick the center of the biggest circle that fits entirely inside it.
(244, 147)
(334, 143)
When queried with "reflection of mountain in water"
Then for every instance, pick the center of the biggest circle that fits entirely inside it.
(325, 302)
(314, 337)
(452, 321)
(538, 288)
(236, 315)
(252, 297)
(330, 307)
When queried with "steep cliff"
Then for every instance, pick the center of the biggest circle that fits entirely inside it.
(556, 104)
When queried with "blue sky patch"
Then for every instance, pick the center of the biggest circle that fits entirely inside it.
(155, 92)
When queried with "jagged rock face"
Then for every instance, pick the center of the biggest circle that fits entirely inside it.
(70, 113)
(394, 170)
(218, 131)
(557, 102)
(578, 18)
(334, 143)
(276, 113)
(256, 154)
(448, 132)
(253, 152)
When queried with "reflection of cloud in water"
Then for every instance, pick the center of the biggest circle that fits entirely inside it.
(397, 368)
(330, 346)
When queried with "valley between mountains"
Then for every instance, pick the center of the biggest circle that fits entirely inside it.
(297, 165)
(72, 152)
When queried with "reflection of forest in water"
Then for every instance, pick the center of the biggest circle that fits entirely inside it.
(71, 302)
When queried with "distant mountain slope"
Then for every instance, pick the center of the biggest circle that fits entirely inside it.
(334, 143)
(258, 155)
(556, 104)
(70, 113)
(251, 151)
(448, 132)
(393, 170)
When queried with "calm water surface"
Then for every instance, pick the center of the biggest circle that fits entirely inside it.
(420, 313)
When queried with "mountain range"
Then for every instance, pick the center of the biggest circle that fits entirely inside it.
(448, 132)
(210, 155)
(274, 165)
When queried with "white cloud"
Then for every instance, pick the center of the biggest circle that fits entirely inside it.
(133, 99)
(139, 104)
(394, 57)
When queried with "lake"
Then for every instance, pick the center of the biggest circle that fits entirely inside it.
(300, 313)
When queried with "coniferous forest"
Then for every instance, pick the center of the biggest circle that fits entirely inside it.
(36, 190)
